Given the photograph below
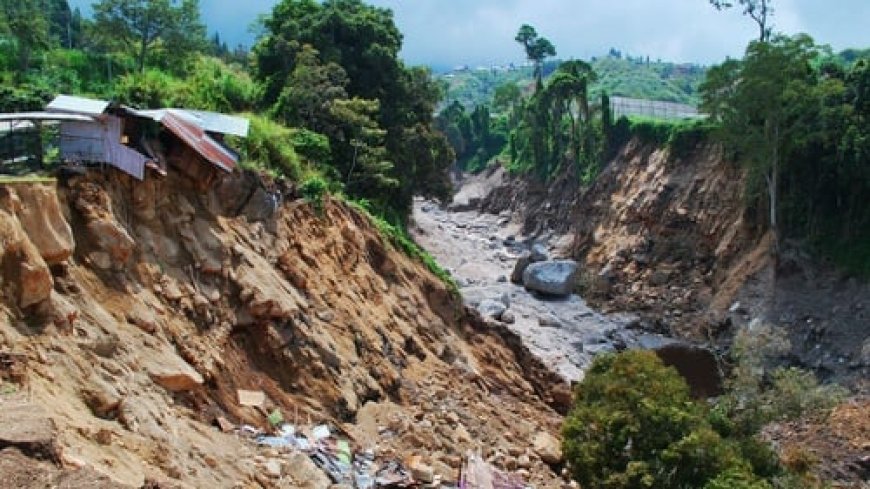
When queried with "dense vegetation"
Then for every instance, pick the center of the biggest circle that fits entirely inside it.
(797, 116)
(634, 425)
(618, 75)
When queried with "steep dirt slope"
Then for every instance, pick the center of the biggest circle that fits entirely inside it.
(132, 312)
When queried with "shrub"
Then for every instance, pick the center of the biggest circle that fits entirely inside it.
(633, 424)
(313, 189)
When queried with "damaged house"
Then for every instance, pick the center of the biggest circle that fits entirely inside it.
(133, 141)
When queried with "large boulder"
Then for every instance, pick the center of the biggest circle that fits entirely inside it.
(552, 277)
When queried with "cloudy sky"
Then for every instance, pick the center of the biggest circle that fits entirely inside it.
(451, 32)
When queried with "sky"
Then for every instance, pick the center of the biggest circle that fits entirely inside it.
(445, 33)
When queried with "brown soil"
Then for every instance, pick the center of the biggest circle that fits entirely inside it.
(172, 300)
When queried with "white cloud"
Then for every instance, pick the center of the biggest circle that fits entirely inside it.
(448, 32)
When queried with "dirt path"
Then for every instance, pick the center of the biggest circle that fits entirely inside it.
(480, 251)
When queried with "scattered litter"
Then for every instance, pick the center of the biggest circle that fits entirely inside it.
(276, 417)
(321, 432)
(251, 398)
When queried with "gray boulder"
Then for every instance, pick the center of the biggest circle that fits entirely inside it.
(539, 253)
(491, 309)
(551, 277)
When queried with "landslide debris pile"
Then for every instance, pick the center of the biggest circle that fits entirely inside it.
(132, 314)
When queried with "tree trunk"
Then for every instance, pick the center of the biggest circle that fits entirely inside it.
(773, 191)
(143, 51)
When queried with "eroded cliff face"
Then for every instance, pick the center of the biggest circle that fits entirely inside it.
(132, 312)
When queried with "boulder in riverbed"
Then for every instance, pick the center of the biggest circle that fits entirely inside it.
(491, 308)
(555, 278)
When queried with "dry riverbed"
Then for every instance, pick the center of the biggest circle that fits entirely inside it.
(480, 251)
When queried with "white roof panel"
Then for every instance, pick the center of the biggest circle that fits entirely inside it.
(77, 105)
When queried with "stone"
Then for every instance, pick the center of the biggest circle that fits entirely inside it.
(548, 448)
(523, 262)
(539, 253)
(44, 223)
(508, 317)
(110, 237)
(102, 398)
(172, 372)
(28, 426)
(35, 282)
(272, 467)
(491, 309)
(550, 321)
(423, 473)
(524, 462)
(556, 278)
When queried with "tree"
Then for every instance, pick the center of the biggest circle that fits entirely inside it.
(537, 50)
(759, 103)
(138, 25)
(758, 10)
(26, 22)
(364, 42)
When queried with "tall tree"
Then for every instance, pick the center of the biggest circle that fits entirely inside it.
(138, 25)
(759, 103)
(364, 42)
(537, 50)
(759, 11)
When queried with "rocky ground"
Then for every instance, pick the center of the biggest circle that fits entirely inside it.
(667, 238)
(481, 250)
(133, 313)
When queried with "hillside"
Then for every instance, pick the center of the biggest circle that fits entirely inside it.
(635, 78)
(132, 313)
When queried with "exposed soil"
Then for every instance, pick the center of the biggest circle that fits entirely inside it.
(133, 318)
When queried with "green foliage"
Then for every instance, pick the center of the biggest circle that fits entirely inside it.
(211, 85)
(138, 26)
(214, 85)
(798, 122)
(269, 146)
(333, 68)
(396, 235)
(634, 425)
(475, 138)
(758, 395)
(314, 189)
(681, 136)
(151, 89)
(625, 77)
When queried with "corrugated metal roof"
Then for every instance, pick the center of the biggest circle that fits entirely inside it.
(77, 105)
(222, 123)
(208, 121)
(45, 116)
(194, 136)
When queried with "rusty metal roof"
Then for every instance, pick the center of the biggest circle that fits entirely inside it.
(208, 121)
(77, 105)
(194, 136)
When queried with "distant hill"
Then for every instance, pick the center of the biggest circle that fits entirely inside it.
(627, 77)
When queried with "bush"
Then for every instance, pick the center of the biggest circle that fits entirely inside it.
(269, 146)
(633, 425)
(313, 190)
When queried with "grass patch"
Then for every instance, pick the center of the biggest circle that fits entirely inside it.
(398, 237)
(681, 136)
(26, 179)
